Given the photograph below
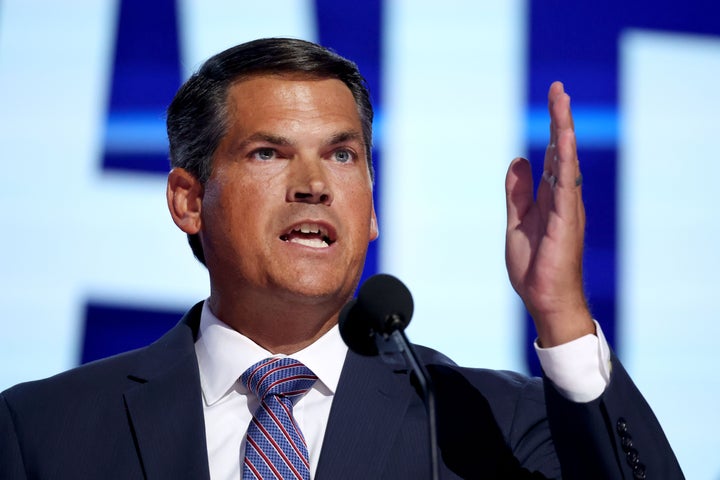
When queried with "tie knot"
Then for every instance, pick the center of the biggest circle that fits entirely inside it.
(285, 377)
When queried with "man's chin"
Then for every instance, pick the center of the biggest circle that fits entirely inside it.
(309, 291)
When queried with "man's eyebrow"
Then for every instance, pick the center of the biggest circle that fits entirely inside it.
(347, 136)
(279, 140)
(265, 137)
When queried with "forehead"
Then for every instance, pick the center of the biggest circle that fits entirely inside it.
(276, 95)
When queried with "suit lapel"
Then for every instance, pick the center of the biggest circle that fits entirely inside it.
(366, 414)
(164, 406)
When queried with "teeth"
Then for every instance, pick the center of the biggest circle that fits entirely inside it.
(310, 242)
(308, 234)
(309, 228)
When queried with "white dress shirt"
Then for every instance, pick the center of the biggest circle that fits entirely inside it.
(580, 369)
(223, 355)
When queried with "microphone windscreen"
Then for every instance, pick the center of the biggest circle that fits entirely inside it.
(384, 304)
(383, 296)
(356, 331)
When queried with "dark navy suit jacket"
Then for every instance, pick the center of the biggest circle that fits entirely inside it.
(139, 415)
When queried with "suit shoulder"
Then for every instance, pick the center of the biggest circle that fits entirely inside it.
(97, 376)
(503, 383)
(113, 373)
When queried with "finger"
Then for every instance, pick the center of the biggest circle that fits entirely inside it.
(565, 165)
(545, 196)
(555, 89)
(518, 191)
(558, 109)
(556, 94)
(568, 189)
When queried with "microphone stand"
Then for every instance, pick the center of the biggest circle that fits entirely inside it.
(401, 344)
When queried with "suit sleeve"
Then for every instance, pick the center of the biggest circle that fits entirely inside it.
(11, 462)
(615, 436)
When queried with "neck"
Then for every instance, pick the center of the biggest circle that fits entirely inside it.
(276, 324)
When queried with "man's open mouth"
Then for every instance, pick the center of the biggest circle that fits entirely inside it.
(309, 234)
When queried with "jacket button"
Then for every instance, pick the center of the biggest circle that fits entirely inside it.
(626, 442)
(632, 457)
(639, 471)
(621, 425)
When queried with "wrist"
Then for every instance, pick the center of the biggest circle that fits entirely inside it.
(563, 327)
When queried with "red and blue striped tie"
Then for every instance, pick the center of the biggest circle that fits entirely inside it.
(275, 446)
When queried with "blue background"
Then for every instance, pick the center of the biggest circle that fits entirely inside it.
(143, 61)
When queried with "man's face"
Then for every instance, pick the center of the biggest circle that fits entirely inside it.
(288, 208)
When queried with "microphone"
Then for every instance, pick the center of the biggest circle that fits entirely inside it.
(374, 323)
(383, 305)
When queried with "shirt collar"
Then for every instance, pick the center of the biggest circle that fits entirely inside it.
(224, 354)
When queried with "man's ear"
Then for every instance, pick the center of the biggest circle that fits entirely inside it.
(184, 198)
(374, 230)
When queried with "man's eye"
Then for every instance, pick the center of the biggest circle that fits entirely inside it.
(343, 156)
(264, 154)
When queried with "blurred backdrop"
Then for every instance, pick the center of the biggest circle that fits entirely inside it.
(92, 263)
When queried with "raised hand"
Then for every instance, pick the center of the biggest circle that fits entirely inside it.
(544, 243)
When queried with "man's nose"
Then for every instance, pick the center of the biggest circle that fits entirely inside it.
(308, 182)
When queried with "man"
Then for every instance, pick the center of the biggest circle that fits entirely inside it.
(272, 181)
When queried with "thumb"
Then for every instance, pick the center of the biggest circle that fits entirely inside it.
(518, 191)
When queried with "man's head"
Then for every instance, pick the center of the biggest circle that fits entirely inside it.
(197, 118)
(272, 179)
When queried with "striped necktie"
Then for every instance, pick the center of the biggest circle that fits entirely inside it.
(275, 446)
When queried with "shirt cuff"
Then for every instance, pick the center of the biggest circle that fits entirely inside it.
(580, 369)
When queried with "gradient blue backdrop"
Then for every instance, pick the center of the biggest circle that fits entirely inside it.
(143, 59)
